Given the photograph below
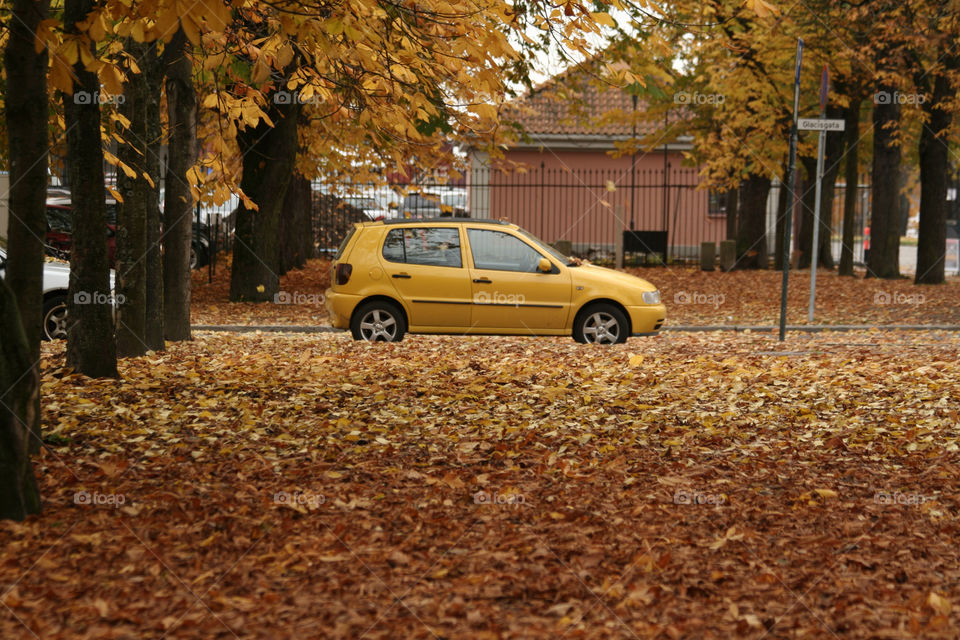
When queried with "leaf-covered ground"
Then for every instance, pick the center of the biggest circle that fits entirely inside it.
(685, 486)
(693, 297)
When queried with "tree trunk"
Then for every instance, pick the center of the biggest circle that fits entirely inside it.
(178, 201)
(752, 231)
(91, 347)
(152, 68)
(884, 259)
(851, 117)
(130, 267)
(783, 198)
(732, 205)
(26, 109)
(934, 164)
(19, 496)
(295, 231)
(269, 155)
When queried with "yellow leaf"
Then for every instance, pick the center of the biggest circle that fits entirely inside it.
(938, 603)
(604, 18)
(486, 111)
(635, 360)
(826, 493)
(260, 288)
(111, 79)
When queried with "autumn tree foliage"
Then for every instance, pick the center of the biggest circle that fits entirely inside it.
(734, 61)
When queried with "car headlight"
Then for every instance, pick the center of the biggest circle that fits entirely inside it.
(651, 297)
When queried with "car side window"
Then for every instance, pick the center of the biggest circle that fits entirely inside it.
(501, 251)
(436, 246)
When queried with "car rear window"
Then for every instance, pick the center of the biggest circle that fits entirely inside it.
(437, 246)
(343, 245)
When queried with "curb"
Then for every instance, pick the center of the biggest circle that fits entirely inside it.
(815, 328)
(273, 328)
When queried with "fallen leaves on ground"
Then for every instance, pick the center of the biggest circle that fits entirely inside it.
(685, 486)
(299, 302)
(693, 297)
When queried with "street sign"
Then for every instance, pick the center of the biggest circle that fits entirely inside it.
(819, 124)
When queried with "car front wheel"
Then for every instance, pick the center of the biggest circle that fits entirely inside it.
(601, 324)
(378, 321)
(55, 318)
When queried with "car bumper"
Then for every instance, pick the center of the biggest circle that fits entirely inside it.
(647, 319)
(340, 306)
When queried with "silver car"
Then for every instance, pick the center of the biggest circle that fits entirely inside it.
(56, 282)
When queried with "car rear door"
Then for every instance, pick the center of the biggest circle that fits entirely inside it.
(425, 265)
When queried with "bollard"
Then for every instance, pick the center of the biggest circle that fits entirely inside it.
(708, 255)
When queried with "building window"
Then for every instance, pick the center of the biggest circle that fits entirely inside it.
(716, 203)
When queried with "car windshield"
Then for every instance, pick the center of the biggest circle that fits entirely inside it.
(567, 260)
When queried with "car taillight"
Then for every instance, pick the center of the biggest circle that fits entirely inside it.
(343, 273)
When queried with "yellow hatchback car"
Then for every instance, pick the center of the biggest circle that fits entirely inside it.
(479, 277)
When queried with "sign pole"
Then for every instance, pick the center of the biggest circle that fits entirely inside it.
(821, 143)
(788, 184)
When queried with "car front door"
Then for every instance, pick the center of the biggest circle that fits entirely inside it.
(509, 292)
(425, 265)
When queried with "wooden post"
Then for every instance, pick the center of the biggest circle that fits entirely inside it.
(708, 255)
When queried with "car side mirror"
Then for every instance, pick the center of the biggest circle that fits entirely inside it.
(544, 266)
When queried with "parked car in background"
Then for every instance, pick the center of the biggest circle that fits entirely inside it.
(59, 238)
(471, 276)
(417, 204)
(369, 206)
(56, 281)
(457, 202)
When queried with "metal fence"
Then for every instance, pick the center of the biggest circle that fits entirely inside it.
(581, 211)
(584, 210)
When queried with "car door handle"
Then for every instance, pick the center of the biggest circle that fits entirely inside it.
(401, 275)
(482, 281)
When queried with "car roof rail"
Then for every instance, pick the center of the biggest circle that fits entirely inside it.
(446, 219)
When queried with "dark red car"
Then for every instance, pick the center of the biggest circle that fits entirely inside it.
(60, 228)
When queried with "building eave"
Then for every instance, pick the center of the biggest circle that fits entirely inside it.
(590, 142)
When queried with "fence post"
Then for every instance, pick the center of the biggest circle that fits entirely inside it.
(618, 236)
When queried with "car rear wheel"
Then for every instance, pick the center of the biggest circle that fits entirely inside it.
(55, 318)
(378, 321)
(601, 324)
